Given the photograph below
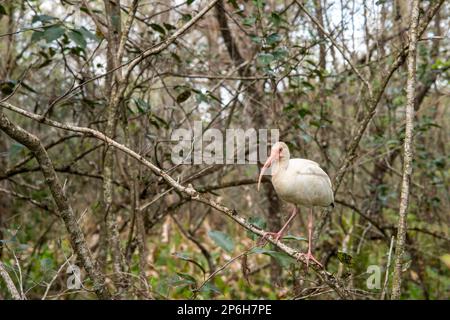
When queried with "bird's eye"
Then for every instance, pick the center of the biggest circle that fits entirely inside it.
(281, 149)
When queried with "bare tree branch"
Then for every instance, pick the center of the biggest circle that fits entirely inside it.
(408, 150)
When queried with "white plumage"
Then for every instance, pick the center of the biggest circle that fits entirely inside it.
(300, 182)
(303, 182)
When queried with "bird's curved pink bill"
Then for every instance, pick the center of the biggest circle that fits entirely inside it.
(269, 161)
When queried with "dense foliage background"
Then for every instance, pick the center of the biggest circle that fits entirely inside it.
(124, 69)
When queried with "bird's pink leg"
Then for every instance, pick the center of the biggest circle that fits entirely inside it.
(309, 254)
(277, 235)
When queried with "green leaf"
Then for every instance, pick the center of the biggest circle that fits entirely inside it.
(255, 38)
(157, 121)
(189, 2)
(258, 222)
(186, 257)
(222, 239)
(2, 11)
(88, 34)
(265, 59)
(142, 105)
(182, 256)
(345, 258)
(45, 63)
(275, 18)
(27, 87)
(161, 286)
(158, 28)
(282, 258)
(399, 100)
(279, 53)
(234, 4)
(176, 57)
(169, 26)
(308, 85)
(178, 281)
(42, 18)
(315, 123)
(15, 149)
(53, 33)
(259, 250)
(187, 277)
(209, 287)
(273, 39)
(259, 3)
(289, 107)
(212, 96)
(183, 96)
(311, 62)
(46, 264)
(77, 37)
(303, 112)
(249, 21)
(8, 86)
(186, 17)
(36, 36)
(446, 259)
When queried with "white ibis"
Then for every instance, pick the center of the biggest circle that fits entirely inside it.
(300, 182)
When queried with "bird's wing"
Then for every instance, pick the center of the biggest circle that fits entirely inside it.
(309, 167)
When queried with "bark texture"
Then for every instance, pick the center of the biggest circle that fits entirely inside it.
(407, 152)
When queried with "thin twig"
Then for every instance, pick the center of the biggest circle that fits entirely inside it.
(47, 289)
(388, 265)
(212, 275)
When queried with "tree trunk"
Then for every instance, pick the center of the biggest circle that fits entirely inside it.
(408, 152)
